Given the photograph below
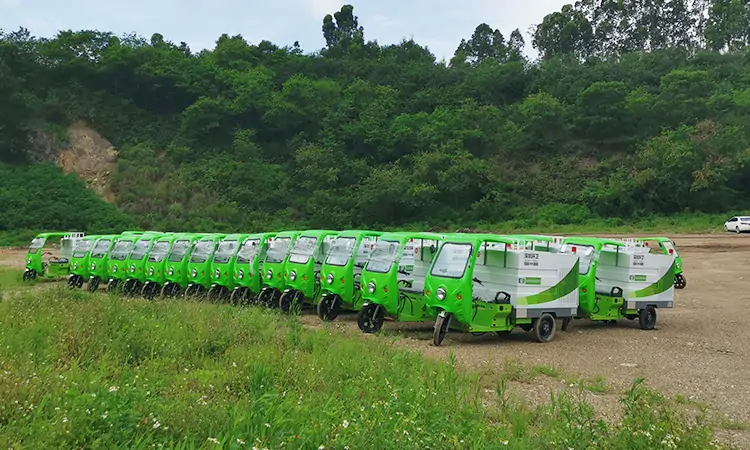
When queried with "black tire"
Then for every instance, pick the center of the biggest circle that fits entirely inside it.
(504, 333)
(112, 287)
(647, 318)
(544, 328)
(527, 327)
(737, 230)
(189, 291)
(150, 290)
(329, 307)
(94, 284)
(264, 297)
(370, 318)
(286, 300)
(442, 323)
(566, 323)
(26, 275)
(214, 294)
(679, 281)
(236, 296)
(128, 287)
(73, 281)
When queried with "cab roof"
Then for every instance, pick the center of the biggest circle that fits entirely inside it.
(405, 235)
(593, 241)
(358, 233)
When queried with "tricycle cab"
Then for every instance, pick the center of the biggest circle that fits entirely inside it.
(79, 261)
(135, 263)
(222, 265)
(274, 265)
(341, 272)
(491, 283)
(58, 248)
(302, 272)
(393, 279)
(248, 267)
(199, 264)
(117, 267)
(666, 246)
(99, 260)
(154, 267)
(176, 264)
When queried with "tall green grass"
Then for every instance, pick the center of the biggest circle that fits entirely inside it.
(94, 371)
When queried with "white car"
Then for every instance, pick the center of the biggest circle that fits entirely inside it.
(738, 224)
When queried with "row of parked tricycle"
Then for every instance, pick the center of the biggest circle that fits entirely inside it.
(478, 283)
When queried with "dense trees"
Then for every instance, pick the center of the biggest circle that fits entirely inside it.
(634, 108)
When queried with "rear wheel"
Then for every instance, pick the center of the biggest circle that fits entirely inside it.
(566, 323)
(329, 307)
(544, 328)
(737, 229)
(647, 318)
(94, 284)
(371, 317)
(679, 281)
(442, 322)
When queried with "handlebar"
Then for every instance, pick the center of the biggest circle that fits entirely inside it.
(477, 280)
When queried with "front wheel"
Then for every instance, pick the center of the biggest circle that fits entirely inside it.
(215, 294)
(28, 275)
(371, 317)
(442, 322)
(679, 281)
(94, 284)
(647, 318)
(236, 296)
(150, 290)
(170, 290)
(329, 307)
(544, 328)
(566, 323)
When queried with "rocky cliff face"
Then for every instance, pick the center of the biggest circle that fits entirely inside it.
(84, 152)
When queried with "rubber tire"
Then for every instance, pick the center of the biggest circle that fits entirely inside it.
(329, 307)
(26, 275)
(647, 318)
(737, 230)
(566, 323)
(286, 300)
(680, 282)
(236, 296)
(214, 294)
(112, 287)
(527, 327)
(73, 281)
(150, 290)
(370, 318)
(544, 328)
(94, 284)
(442, 323)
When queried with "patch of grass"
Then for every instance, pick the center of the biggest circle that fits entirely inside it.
(95, 371)
(12, 278)
(597, 385)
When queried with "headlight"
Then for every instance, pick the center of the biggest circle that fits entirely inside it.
(217, 274)
(28, 262)
(269, 274)
(329, 278)
(440, 294)
(93, 266)
(171, 271)
(132, 268)
(293, 275)
(194, 273)
(150, 270)
(75, 266)
(241, 274)
(371, 287)
(114, 269)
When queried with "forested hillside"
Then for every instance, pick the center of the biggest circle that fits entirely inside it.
(634, 108)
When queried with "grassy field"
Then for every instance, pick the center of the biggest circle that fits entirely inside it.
(93, 371)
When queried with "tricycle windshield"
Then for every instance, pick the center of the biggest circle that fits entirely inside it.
(585, 255)
(383, 256)
(121, 250)
(341, 251)
(225, 251)
(100, 249)
(202, 251)
(452, 260)
(178, 250)
(303, 249)
(159, 251)
(247, 252)
(278, 249)
(36, 244)
(81, 248)
(140, 249)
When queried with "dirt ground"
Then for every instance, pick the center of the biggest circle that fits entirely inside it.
(700, 349)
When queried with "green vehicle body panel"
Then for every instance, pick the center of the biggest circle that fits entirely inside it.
(154, 268)
(50, 269)
(401, 300)
(302, 274)
(135, 263)
(198, 269)
(337, 274)
(176, 262)
(224, 260)
(79, 262)
(99, 256)
(274, 263)
(247, 271)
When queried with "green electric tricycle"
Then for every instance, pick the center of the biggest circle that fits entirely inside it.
(155, 270)
(274, 266)
(176, 265)
(58, 248)
(667, 246)
(222, 266)
(341, 272)
(136, 263)
(117, 263)
(489, 283)
(248, 268)
(302, 274)
(621, 279)
(99, 260)
(79, 262)
(393, 279)
(199, 264)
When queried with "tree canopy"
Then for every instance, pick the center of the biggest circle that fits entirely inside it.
(633, 108)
